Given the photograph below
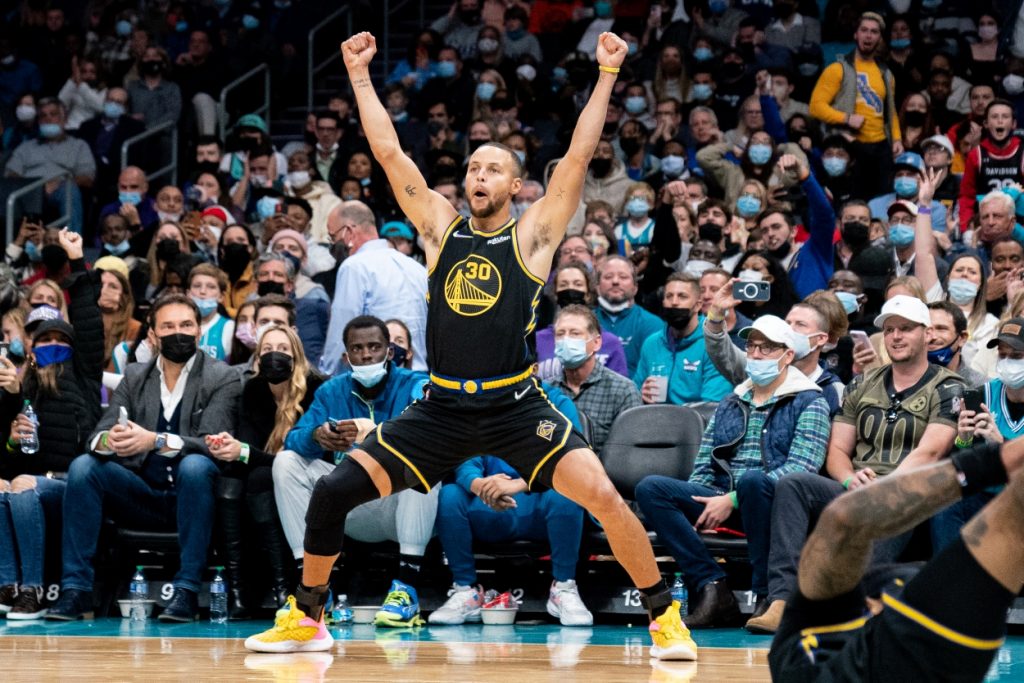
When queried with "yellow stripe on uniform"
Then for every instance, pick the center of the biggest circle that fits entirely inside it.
(492, 233)
(380, 439)
(565, 437)
(835, 628)
(472, 386)
(447, 232)
(938, 629)
(519, 258)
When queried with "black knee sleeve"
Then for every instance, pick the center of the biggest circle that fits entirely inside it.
(345, 488)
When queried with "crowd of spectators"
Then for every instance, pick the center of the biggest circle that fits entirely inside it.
(802, 219)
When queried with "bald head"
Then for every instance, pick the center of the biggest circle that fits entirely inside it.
(352, 222)
(132, 179)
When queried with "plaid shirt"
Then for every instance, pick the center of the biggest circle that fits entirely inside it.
(806, 455)
(603, 395)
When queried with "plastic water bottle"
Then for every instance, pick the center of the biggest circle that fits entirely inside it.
(341, 612)
(218, 599)
(680, 595)
(30, 442)
(138, 593)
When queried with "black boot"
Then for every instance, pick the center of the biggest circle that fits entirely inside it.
(231, 518)
(714, 606)
(277, 554)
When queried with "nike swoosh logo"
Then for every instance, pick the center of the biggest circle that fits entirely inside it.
(461, 235)
(520, 394)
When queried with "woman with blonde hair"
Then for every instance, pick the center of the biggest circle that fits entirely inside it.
(272, 402)
(117, 305)
(488, 85)
(46, 292)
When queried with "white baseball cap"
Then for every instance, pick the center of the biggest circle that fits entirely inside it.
(773, 328)
(909, 307)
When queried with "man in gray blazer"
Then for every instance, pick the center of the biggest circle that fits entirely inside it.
(152, 469)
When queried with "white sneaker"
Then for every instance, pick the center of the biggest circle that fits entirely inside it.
(565, 604)
(463, 604)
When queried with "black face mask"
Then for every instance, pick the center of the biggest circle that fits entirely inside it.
(732, 70)
(167, 249)
(568, 297)
(475, 144)
(276, 367)
(784, 10)
(269, 287)
(398, 355)
(600, 167)
(914, 119)
(177, 347)
(677, 318)
(630, 145)
(610, 127)
(236, 257)
(54, 258)
(855, 234)
(446, 171)
(781, 252)
(469, 16)
(152, 68)
(710, 231)
(211, 167)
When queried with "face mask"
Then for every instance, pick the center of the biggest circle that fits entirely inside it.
(905, 186)
(526, 72)
(17, 347)
(167, 249)
(54, 258)
(782, 251)
(962, 292)
(33, 253)
(931, 4)
(365, 182)
(250, 23)
(259, 180)
(268, 287)
(677, 318)
(1011, 372)
(51, 353)
(710, 231)
(571, 352)
(177, 347)
(267, 207)
(942, 356)
(282, 4)
(759, 154)
(855, 234)
(298, 179)
(762, 371)
(914, 119)
(152, 68)
(600, 167)
(630, 146)
(602, 9)
(120, 248)
(834, 166)
(521, 155)
(637, 207)
(988, 32)
(609, 307)
(276, 367)
(748, 205)
(849, 302)
(803, 345)
(133, 198)
(900, 43)
(113, 110)
(7, 61)
(206, 306)
(487, 45)
(901, 235)
(370, 375)
(485, 91)
(181, 26)
(559, 73)
(750, 276)
(718, 6)
(25, 112)
(568, 297)
(50, 130)
(515, 35)
(703, 54)
(673, 166)
(696, 267)
(808, 69)
(636, 104)
(701, 91)
(1013, 84)
(236, 258)
(244, 334)
(446, 69)
(123, 28)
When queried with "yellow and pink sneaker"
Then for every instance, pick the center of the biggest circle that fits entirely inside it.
(293, 631)
(671, 637)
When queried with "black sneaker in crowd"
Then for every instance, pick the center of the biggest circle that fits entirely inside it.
(29, 604)
(183, 607)
(72, 606)
(8, 594)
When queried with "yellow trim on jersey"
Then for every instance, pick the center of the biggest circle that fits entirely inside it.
(938, 629)
(444, 240)
(471, 386)
(405, 461)
(492, 233)
(852, 625)
(519, 258)
(565, 437)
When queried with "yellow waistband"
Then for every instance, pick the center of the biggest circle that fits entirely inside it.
(472, 386)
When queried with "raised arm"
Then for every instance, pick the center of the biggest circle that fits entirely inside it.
(924, 238)
(543, 225)
(429, 211)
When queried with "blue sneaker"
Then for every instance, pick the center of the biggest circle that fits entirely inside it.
(401, 607)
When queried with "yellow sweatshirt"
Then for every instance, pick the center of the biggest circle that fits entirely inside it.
(870, 102)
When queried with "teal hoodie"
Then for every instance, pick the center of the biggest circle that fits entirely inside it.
(692, 375)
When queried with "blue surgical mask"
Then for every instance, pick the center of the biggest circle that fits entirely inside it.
(446, 69)
(673, 165)
(942, 356)
(559, 73)
(834, 166)
(206, 306)
(249, 22)
(17, 347)
(113, 110)
(632, 48)
(901, 235)
(370, 375)
(521, 154)
(33, 252)
(803, 345)
(759, 154)
(700, 91)
(849, 302)
(181, 26)
(515, 35)
(961, 292)
(899, 43)
(51, 353)
(572, 353)
(1011, 372)
(133, 198)
(602, 9)
(50, 130)
(762, 371)
(485, 91)
(905, 186)
(636, 104)
(123, 28)
(637, 207)
(748, 205)
(703, 54)
(267, 207)
(120, 248)
(718, 6)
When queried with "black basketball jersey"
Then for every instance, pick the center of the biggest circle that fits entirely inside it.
(996, 172)
(481, 304)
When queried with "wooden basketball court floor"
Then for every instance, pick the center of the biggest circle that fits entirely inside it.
(115, 650)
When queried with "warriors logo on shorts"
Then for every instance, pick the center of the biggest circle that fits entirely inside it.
(473, 286)
(546, 429)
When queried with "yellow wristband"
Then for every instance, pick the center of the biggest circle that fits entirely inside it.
(608, 69)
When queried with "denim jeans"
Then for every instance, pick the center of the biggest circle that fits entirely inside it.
(669, 508)
(946, 525)
(462, 516)
(23, 520)
(96, 485)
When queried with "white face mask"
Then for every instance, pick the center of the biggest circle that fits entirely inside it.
(751, 276)
(370, 375)
(1013, 84)
(696, 267)
(1011, 372)
(298, 178)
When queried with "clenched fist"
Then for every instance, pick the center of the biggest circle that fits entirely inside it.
(611, 50)
(359, 50)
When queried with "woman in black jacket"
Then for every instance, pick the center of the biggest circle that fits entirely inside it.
(272, 402)
(62, 383)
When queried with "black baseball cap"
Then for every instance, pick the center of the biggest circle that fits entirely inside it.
(1011, 332)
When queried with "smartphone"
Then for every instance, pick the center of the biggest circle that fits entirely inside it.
(860, 338)
(4, 349)
(973, 400)
(122, 417)
(752, 291)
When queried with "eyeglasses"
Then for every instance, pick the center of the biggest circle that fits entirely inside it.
(575, 250)
(892, 413)
(764, 348)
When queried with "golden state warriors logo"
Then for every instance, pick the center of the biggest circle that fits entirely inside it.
(546, 429)
(472, 286)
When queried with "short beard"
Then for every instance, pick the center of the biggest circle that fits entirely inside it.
(492, 207)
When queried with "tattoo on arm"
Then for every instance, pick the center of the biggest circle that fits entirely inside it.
(974, 532)
(561, 193)
(362, 83)
(410, 190)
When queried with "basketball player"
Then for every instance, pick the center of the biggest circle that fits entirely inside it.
(947, 623)
(486, 275)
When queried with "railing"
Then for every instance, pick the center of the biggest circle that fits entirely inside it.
(312, 69)
(172, 167)
(222, 106)
(386, 37)
(12, 200)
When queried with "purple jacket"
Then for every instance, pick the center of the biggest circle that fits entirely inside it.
(611, 355)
